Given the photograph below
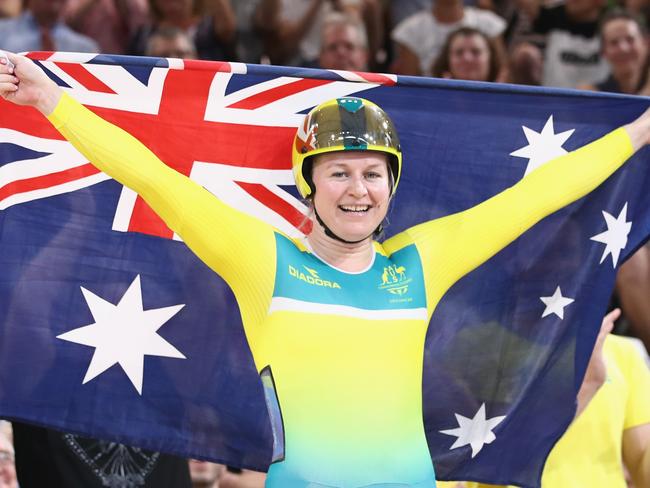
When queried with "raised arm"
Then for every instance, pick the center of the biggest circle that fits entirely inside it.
(285, 41)
(238, 247)
(454, 245)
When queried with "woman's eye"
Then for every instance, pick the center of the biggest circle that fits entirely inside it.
(338, 174)
(373, 176)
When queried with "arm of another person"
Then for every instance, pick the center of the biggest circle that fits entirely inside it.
(266, 16)
(636, 453)
(633, 288)
(240, 248)
(636, 436)
(406, 61)
(373, 16)
(224, 22)
(454, 245)
(285, 41)
(411, 40)
(596, 372)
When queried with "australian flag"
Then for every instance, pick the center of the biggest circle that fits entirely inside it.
(112, 328)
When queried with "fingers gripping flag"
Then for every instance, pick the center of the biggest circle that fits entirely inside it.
(506, 348)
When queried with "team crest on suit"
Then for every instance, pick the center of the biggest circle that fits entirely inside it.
(394, 280)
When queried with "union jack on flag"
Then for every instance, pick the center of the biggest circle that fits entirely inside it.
(507, 346)
(202, 119)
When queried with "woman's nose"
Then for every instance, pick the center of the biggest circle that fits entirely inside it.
(357, 186)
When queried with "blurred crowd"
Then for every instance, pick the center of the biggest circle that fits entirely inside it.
(589, 44)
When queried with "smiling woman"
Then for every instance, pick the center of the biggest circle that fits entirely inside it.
(348, 148)
(468, 54)
(336, 321)
(623, 40)
(353, 193)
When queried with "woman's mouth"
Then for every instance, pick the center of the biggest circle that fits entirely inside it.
(355, 208)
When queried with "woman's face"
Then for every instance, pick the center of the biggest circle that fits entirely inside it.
(623, 45)
(469, 58)
(352, 191)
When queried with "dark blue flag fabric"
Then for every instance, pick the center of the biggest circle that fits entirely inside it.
(506, 348)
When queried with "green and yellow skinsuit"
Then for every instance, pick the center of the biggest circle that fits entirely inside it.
(340, 354)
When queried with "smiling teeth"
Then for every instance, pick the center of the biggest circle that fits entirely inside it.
(355, 208)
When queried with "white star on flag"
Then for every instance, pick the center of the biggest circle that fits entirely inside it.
(556, 303)
(615, 237)
(123, 334)
(475, 432)
(542, 146)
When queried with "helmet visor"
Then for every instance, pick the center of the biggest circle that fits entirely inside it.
(361, 127)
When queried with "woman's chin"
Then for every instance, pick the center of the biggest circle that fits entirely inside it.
(354, 233)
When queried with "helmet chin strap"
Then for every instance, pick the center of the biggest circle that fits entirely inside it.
(331, 234)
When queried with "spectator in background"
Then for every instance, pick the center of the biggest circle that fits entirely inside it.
(614, 428)
(7, 467)
(296, 40)
(624, 47)
(52, 459)
(10, 8)
(40, 28)
(468, 54)
(111, 23)
(344, 44)
(213, 34)
(170, 42)
(419, 39)
(612, 432)
(571, 54)
(205, 474)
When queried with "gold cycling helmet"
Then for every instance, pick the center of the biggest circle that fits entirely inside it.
(344, 124)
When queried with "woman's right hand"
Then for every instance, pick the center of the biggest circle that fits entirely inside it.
(639, 130)
(26, 84)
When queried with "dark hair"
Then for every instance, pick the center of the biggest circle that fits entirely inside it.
(441, 64)
(618, 13)
(622, 14)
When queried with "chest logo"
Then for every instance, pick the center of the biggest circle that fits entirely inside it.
(311, 277)
(394, 280)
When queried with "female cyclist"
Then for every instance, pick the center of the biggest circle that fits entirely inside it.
(336, 322)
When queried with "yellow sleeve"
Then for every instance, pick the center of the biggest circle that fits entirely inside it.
(452, 246)
(240, 248)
